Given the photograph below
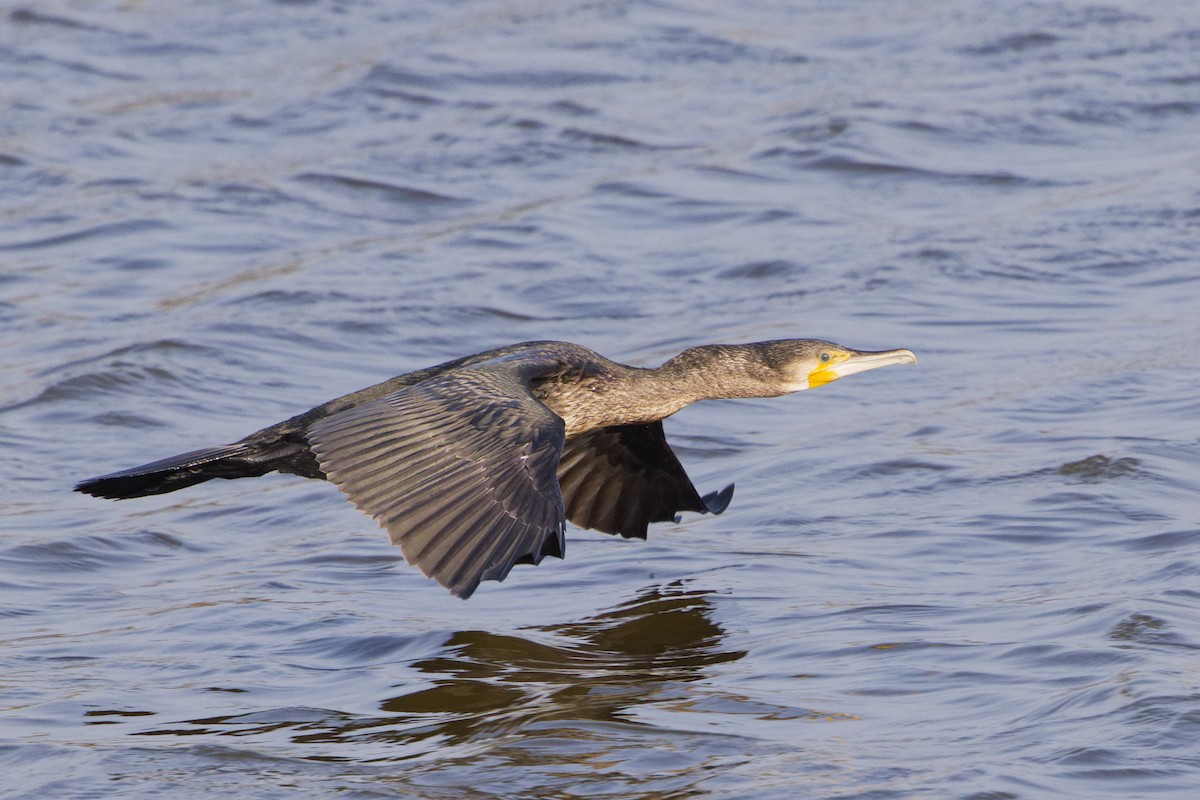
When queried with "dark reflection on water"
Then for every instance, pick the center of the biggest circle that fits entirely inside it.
(1099, 467)
(483, 684)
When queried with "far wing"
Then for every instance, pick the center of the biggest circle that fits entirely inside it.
(620, 479)
(459, 469)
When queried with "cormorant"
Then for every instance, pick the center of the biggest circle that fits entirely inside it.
(474, 465)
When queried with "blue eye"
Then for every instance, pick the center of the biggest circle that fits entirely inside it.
(825, 358)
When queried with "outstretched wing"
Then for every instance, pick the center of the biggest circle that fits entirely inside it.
(460, 470)
(620, 479)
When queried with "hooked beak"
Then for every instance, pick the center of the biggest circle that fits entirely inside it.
(852, 361)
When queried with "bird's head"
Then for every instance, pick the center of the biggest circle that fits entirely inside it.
(809, 363)
(769, 369)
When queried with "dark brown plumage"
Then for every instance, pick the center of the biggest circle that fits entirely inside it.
(474, 465)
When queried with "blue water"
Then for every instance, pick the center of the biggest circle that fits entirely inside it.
(974, 578)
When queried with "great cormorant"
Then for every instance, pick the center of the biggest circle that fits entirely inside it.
(474, 465)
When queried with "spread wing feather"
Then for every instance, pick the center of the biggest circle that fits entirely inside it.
(460, 469)
(620, 479)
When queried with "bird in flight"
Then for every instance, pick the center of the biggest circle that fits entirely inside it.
(475, 465)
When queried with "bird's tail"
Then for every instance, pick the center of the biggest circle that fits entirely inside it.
(177, 472)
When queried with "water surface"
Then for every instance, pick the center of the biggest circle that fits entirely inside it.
(974, 578)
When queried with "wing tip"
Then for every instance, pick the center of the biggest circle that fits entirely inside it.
(464, 591)
(463, 584)
(717, 502)
(95, 487)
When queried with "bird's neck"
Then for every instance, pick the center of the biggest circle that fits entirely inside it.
(719, 372)
(621, 395)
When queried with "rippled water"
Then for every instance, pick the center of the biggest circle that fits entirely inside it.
(974, 578)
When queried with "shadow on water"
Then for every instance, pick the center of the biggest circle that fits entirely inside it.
(483, 685)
